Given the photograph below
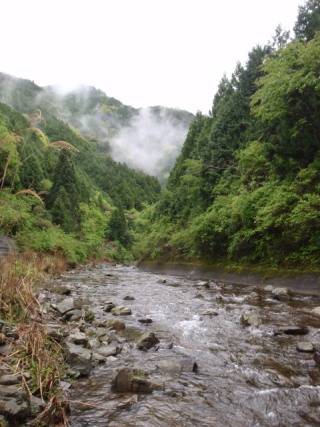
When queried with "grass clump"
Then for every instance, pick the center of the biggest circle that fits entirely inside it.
(36, 357)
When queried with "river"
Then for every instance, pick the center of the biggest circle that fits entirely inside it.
(246, 376)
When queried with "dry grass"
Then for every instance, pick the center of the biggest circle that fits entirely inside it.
(33, 351)
(60, 145)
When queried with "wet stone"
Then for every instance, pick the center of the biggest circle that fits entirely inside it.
(133, 380)
(108, 306)
(316, 311)
(292, 330)
(116, 324)
(147, 341)
(282, 294)
(305, 347)
(203, 284)
(145, 321)
(121, 311)
(250, 318)
(186, 364)
(253, 297)
(79, 358)
(210, 312)
(110, 350)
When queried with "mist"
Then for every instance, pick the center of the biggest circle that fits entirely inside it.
(151, 142)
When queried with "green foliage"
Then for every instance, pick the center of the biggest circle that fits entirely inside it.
(94, 225)
(118, 230)
(80, 190)
(246, 188)
(308, 21)
(288, 101)
(52, 240)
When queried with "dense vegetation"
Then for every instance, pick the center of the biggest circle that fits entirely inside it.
(246, 186)
(58, 192)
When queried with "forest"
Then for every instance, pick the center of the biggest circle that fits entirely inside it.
(245, 189)
(60, 193)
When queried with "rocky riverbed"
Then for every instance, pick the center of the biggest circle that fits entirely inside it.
(147, 349)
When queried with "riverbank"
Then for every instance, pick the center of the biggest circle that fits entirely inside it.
(298, 280)
(31, 362)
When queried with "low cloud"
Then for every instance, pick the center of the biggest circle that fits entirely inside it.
(151, 142)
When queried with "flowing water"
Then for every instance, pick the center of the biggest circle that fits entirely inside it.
(246, 376)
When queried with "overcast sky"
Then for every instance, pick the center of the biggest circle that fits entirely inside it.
(142, 52)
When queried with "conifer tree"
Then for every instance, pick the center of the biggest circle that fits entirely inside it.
(64, 196)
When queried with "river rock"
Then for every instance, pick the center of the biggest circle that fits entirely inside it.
(291, 330)
(65, 305)
(186, 364)
(78, 338)
(75, 315)
(60, 289)
(203, 284)
(93, 343)
(316, 311)
(210, 312)
(305, 347)
(147, 341)
(145, 321)
(269, 288)
(132, 380)
(108, 306)
(250, 318)
(54, 333)
(116, 324)
(79, 358)
(253, 297)
(110, 350)
(14, 403)
(128, 298)
(282, 294)
(121, 310)
(317, 357)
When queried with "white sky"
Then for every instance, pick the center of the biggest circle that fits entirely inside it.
(142, 52)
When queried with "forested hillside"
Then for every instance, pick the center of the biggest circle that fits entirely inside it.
(125, 132)
(246, 186)
(58, 192)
